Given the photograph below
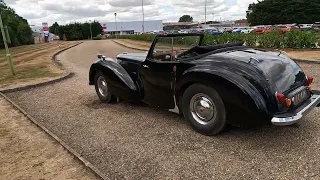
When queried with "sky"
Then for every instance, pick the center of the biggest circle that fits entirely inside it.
(67, 11)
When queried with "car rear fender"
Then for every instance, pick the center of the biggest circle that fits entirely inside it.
(191, 75)
(119, 81)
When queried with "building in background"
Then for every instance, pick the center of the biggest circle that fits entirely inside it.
(241, 22)
(38, 34)
(45, 31)
(132, 27)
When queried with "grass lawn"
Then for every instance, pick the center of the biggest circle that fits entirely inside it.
(32, 64)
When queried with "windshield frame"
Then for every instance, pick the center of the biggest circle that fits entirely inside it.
(150, 52)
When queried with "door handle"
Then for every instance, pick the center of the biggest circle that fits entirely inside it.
(145, 66)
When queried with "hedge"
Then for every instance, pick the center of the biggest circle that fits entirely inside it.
(291, 39)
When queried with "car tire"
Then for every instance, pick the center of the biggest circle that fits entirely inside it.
(101, 87)
(203, 107)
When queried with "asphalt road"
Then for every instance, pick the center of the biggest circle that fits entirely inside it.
(127, 141)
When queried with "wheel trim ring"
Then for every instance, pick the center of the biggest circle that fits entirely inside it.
(203, 109)
(102, 86)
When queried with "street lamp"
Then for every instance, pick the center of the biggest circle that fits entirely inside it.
(205, 12)
(142, 18)
(115, 20)
(90, 30)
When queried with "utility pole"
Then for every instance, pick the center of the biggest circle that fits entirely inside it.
(142, 18)
(90, 29)
(205, 12)
(115, 20)
(5, 36)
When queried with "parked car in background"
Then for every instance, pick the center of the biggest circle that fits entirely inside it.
(305, 27)
(226, 30)
(261, 29)
(213, 31)
(182, 31)
(244, 30)
(316, 26)
(285, 28)
(211, 86)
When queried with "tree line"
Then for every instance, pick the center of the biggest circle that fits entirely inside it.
(269, 12)
(18, 27)
(76, 31)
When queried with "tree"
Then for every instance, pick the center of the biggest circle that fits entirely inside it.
(96, 28)
(76, 31)
(54, 29)
(186, 18)
(268, 12)
(18, 27)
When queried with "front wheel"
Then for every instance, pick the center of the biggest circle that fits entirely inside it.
(203, 107)
(101, 87)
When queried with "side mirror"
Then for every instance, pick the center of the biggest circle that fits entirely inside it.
(99, 56)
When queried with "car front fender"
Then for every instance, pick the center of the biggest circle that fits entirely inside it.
(120, 82)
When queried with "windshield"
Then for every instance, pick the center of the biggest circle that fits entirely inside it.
(168, 48)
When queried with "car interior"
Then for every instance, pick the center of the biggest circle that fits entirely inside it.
(200, 50)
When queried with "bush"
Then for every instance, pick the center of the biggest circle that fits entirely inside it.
(291, 39)
(296, 39)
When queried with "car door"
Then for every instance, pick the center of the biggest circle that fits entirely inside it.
(157, 75)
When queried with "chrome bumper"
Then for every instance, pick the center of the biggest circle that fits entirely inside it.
(292, 118)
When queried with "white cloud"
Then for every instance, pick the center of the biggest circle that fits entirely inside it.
(65, 11)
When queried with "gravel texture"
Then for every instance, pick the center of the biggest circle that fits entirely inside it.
(27, 152)
(127, 141)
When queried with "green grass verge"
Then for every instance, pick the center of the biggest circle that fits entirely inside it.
(25, 73)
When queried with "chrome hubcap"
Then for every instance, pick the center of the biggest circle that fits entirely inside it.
(102, 86)
(203, 109)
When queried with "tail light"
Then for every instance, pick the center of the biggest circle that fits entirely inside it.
(280, 98)
(288, 102)
(310, 79)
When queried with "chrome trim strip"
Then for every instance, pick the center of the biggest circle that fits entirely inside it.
(289, 120)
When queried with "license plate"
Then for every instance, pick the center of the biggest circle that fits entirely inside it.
(300, 96)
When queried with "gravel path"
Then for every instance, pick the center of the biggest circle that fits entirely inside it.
(27, 152)
(127, 141)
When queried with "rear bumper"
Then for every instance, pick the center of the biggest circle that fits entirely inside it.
(296, 116)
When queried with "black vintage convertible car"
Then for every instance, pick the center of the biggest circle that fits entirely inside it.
(212, 86)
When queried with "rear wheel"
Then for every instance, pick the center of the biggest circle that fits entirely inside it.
(102, 90)
(203, 107)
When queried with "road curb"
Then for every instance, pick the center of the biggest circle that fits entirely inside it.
(135, 48)
(65, 145)
(54, 57)
(68, 75)
(56, 63)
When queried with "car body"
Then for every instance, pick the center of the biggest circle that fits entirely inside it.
(212, 86)
(261, 29)
(226, 30)
(182, 31)
(316, 26)
(244, 30)
(284, 28)
(213, 31)
(305, 27)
